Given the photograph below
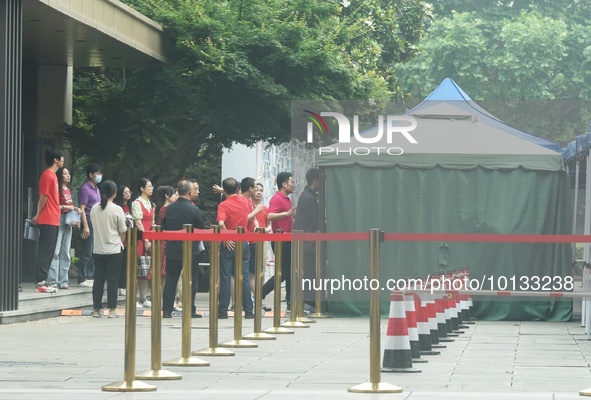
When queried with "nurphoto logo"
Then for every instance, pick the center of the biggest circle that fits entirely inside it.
(395, 124)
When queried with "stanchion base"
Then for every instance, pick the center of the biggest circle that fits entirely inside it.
(369, 387)
(213, 351)
(586, 392)
(278, 331)
(319, 315)
(306, 320)
(294, 324)
(406, 370)
(438, 346)
(186, 362)
(451, 335)
(445, 340)
(430, 353)
(243, 344)
(159, 375)
(469, 323)
(419, 360)
(124, 386)
(464, 327)
(259, 336)
(458, 332)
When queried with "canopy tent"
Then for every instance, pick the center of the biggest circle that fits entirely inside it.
(449, 91)
(467, 173)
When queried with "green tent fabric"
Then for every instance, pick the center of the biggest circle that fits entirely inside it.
(461, 177)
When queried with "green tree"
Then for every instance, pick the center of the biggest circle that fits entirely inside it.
(532, 65)
(235, 68)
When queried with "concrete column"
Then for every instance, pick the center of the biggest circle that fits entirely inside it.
(54, 98)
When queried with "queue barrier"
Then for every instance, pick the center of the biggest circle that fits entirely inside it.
(129, 384)
(374, 236)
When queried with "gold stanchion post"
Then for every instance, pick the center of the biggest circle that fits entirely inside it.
(374, 385)
(300, 274)
(295, 292)
(186, 360)
(129, 384)
(318, 301)
(238, 342)
(214, 276)
(157, 373)
(277, 329)
(258, 334)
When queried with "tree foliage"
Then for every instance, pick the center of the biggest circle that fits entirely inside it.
(530, 57)
(236, 66)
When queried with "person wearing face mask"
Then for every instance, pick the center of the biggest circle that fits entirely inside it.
(88, 196)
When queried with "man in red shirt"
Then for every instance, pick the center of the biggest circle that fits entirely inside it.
(233, 212)
(281, 216)
(48, 217)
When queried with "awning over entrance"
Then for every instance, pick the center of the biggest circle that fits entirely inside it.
(89, 33)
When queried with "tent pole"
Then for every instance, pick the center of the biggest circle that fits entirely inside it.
(587, 228)
(576, 202)
(586, 256)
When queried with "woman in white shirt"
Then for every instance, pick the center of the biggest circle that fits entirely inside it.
(108, 222)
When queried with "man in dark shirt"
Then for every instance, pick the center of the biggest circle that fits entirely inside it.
(179, 213)
(307, 220)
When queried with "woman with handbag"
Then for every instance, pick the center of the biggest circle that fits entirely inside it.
(70, 216)
(109, 227)
(142, 211)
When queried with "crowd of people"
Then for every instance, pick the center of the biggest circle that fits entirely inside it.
(105, 213)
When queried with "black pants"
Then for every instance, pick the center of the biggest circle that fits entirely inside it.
(106, 267)
(173, 271)
(269, 286)
(46, 248)
(123, 273)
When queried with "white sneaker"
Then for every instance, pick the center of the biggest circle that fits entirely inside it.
(146, 303)
(139, 306)
(122, 292)
(87, 283)
(96, 314)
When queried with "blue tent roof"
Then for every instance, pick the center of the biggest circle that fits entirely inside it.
(449, 93)
(577, 148)
(448, 90)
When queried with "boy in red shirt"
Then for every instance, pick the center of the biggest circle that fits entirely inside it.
(233, 212)
(48, 217)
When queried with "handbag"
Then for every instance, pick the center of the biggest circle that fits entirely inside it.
(143, 265)
(31, 231)
(72, 218)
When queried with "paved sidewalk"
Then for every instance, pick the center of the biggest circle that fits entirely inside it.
(72, 357)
